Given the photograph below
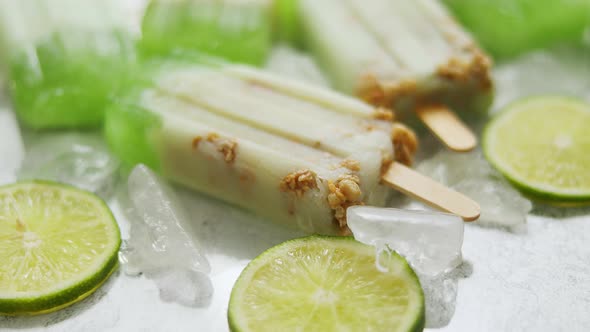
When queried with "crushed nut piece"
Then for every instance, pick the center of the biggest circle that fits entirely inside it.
(212, 137)
(383, 114)
(351, 164)
(299, 182)
(196, 141)
(227, 147)
(405, 143)
(344, 192)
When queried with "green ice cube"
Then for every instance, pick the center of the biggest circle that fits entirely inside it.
(236, 31)
(509, 27)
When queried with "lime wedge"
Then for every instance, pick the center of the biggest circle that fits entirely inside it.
(58, 244)
(326, 284)
(542, 145)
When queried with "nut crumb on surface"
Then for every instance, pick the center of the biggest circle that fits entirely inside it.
(196, 141)
(383, 114)
(405, 143)
(227, 146)
(299, 182)
(351, 164)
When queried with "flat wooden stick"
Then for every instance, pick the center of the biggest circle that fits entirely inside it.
(430, 192)
(447, 126)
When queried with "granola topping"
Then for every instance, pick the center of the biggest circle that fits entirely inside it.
(228, 147)
(405, 143)
(351, 164)
(344, 192)
(383, 114)
(299, 182)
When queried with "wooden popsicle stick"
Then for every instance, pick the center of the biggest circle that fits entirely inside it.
(430, 192)
(447, 126)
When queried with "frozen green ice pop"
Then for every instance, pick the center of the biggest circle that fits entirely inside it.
(64, 59)
(237, 30)
(509, 27)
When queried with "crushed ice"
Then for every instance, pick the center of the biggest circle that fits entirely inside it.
(81, 160)
(159, 245)
(470, 174)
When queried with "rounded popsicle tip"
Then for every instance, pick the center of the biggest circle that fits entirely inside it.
(467, 143)
(470, 212)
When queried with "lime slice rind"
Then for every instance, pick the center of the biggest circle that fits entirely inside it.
(553, 141)
(76, 286)
(289, 314)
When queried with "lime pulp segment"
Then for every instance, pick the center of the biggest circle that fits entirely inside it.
(326, 284)
(542, 144)
(57, 245)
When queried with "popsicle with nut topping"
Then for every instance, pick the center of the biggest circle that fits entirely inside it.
(406, 55)
(293, 153)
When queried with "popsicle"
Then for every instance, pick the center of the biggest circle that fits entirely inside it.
(63, 57)
(510, 27)
(290, 152)
(407, 55)
(237, 30)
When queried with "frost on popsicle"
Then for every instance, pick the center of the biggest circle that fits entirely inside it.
(431, 242)
(64, 59)
(396, 53)
(82, 160)
(237, 30)
(289, 152)
(159, 245)
(470, 174)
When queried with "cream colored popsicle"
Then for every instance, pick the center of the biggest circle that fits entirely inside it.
(408, 55)
(293, 153)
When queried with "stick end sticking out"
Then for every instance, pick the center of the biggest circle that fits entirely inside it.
(425, 189)
(448, 127)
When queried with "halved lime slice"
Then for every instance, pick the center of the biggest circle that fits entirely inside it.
(326, 284)
(542, 145)
(57, 245)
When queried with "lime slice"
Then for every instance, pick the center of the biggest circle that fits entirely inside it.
(542, 145)
(326, 284)
(58, 244)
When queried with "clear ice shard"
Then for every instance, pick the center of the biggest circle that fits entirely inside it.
(471, 174)
(159, 245)
(430, 241)
(81, 160)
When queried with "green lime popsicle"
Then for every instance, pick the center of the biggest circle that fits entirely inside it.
(509, 27)
(239, 31)
(64, 59)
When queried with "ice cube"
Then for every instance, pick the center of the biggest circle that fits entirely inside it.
(82, 160)
(187, 287)
(159, 245)
(471, 174)
(430, 241)
(288, 62)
